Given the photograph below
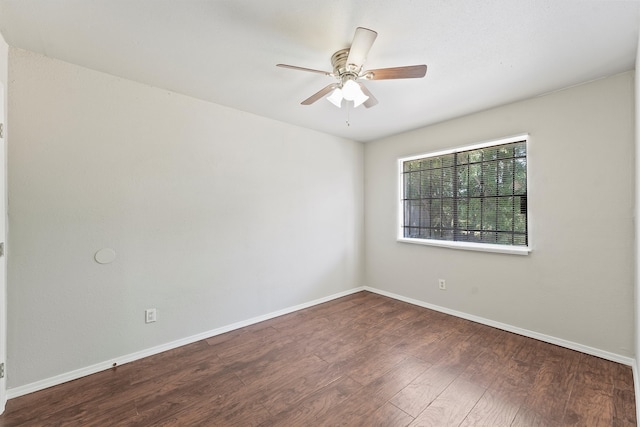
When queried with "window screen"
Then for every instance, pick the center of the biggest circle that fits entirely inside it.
(476, 195)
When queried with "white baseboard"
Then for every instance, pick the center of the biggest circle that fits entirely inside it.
(103, 366)
(516, 330)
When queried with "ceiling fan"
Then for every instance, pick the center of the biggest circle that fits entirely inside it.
(347, 70)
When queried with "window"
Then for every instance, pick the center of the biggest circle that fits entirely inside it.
(473, 197)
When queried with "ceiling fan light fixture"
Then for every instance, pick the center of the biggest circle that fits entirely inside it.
(359, 99)
(351, 90)
(336, 97)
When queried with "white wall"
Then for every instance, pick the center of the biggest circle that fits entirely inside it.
(4, 65)
(216, 216)
(4, 60)
(578, 283)
(637, 233)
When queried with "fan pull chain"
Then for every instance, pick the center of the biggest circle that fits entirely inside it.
(348, 113)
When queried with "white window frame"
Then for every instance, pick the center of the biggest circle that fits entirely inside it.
(483, 247)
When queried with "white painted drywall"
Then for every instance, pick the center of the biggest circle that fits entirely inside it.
(4, 60)
(578, 283)
(637, 233)
(215, 215)
(4, 65)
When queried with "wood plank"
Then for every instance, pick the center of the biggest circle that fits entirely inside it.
(530, 418)
(494, 409)
(508, 345)
(52, 401)
(371, 362)
(290, 392)
(622, 377)
(157, 406)
(452, 406)
(554, 381)
(591, 400)
(624, 412)
(359, 409)
(589, 406)
(345, 346)
(419, 394)
(516, 379)
(485, 369)
(317, 405)
(387, 416)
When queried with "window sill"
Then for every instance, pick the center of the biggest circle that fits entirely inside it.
(481, 247)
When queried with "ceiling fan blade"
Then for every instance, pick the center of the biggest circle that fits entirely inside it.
(372, 99)
(362, 42)
(322, 92)
(409, 72)
(310, 70)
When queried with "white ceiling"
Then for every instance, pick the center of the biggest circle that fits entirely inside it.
(479, 53)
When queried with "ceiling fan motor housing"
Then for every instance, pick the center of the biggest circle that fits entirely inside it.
(341, 69)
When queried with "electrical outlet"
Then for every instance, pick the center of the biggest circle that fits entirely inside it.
(442, 284)
(150, 315)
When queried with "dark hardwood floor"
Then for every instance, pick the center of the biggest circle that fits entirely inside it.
(361, 360)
